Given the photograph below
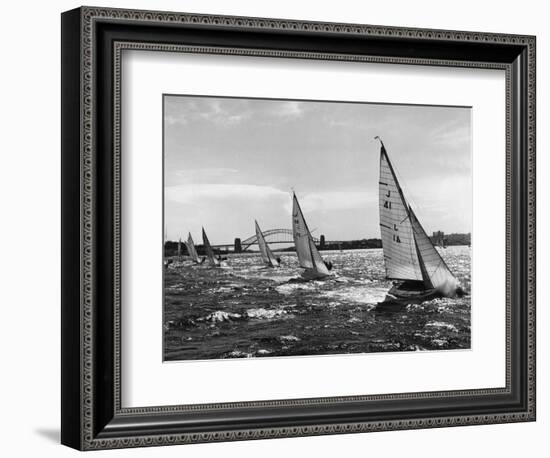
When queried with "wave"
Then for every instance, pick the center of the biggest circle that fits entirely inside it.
(289, 338)
(238, 354)
(358, 294)
(289, 288)
(221, 316)
(265, 314)
(440, 324)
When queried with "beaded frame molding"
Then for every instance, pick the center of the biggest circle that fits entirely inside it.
(93, 40)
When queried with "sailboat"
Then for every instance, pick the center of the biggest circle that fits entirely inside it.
(308, 256)
(209, 252)
(179, 249)
(267, 255)
(409, 255)
(190, 245)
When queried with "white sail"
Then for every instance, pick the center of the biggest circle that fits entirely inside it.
(209, 252)
(437, 272)
(308, 256)
(409, 254)
(267, 255)
(179, 249)
(320, 265)
(400, 256)
(191, 249)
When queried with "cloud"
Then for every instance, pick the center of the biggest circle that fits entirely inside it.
(198, 193)
(233, 145)
(218, 113)
(205, 174)
(288, 109)
(225, 210)
(338, 200)
(443, 204)
(184, 111)
(452, 134)
(173, 120)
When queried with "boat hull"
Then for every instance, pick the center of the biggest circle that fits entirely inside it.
(313, 274)
(405, 293)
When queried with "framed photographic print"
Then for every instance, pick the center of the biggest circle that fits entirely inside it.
(277, 228)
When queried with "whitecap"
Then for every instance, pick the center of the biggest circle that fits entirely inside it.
(289, 288)
(440, 324)
(220, 316)
(238, 354)
(354, 319)
(439, 342)
(289, 338)
(264, 314)
(358, 294)
(221, 289)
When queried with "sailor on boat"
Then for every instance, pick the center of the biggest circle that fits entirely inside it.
(308, 256)
(410, 257)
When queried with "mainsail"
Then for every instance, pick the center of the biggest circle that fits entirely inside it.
(308, 256)
(267, 254)
(400, 254)
(191, 249)
(209, 252)
(408, 252)
(179, 249)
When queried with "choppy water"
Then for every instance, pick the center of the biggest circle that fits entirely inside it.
(247, 310)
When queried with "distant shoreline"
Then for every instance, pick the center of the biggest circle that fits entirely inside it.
(284, 251)
(438, 238)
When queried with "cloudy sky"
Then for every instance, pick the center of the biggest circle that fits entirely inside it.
(229, 161)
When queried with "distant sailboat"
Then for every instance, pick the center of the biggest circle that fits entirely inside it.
(308, 256)
(409, 254)
(267, 255)
(209, 252)
(191, 249)
(179, 249)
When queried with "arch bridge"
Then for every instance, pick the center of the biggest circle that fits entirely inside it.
(272, 236)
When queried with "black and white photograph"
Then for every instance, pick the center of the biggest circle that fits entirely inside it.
(310, 227)
(275, 229)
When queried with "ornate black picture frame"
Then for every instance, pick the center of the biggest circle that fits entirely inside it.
(92, 42)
